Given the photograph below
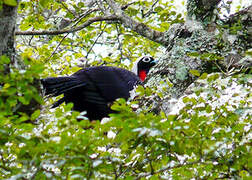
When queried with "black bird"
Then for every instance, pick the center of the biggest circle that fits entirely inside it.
(92, 89)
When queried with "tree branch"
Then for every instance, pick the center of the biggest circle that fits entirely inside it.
(85, 24)
(140, 28)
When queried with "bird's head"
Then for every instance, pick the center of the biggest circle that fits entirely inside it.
(142, 66)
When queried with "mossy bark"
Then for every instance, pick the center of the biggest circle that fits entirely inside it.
(195, 47)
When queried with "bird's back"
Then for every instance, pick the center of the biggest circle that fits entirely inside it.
(111, 82)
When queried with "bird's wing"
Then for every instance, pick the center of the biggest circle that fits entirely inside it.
(112, 82)
(55, 86)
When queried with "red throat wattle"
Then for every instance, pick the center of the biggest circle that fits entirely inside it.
(142, 75)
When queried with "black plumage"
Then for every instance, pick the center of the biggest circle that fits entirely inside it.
(93, 89)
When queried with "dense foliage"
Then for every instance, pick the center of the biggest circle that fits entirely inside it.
(207, 135)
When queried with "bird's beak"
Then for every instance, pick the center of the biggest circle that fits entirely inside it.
(154, 62)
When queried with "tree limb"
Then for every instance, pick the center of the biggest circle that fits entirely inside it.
(85, 24)
(140, 28)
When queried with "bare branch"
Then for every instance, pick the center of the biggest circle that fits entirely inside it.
(140, 28)
(127, 5)
(72, 12)
(102, 31)
(65, 22)
(85, 24)
(150, 10)
(85, 14)
(57, 47)
(102, 7)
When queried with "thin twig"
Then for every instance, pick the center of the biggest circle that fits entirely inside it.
(102, 7)
(85, 14)
(123, 7)
(72, 12)
(96, 41)
(150, 10)
(119, 42)
(57, 47)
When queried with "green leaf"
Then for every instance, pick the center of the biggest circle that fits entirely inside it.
(44, 3)
(6, 86)
(209, 109)
(35, 115)
(203, 76)
(68, 106)
(213, 77)
(186, 99)
(249, 52)
(4, 60)
(158, 9)
(193, 54)
(195, 72)
(10, 2)
(171, 117)
(23, 100)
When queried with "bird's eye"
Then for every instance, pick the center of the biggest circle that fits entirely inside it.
(146, 59)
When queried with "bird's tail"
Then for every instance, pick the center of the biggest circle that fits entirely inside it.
(55, 86)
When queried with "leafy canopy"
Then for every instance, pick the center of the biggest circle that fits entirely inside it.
(207, 137)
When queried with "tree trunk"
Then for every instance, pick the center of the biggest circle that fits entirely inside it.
(8, 17)
(200, 45)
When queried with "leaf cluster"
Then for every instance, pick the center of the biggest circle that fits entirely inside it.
(208, 138)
